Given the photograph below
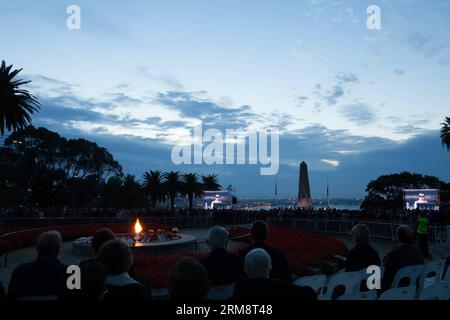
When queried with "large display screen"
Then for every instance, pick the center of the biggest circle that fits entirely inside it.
(217, 200)
(423, 199)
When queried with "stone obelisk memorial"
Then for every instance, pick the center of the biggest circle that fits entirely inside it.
(304, 194)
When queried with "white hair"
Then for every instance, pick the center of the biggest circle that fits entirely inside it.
(217, 238)
(49, 243)
(258, 264)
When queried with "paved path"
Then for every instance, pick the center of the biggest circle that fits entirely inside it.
(441, 250)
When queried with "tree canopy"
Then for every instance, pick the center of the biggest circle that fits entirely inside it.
(386, 192)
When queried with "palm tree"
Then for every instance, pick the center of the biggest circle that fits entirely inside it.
(172, 184)
(191, 187)
(211, 182)
(16, 104)
(154, 187)
(445, 133)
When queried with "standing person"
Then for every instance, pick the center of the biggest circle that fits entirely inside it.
(422, 233)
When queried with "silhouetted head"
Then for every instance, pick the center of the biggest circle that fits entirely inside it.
(259, 231)
(405, 234)
(100, 237)
(116, 256)
(360, 234)
(217, 238)
(189, 281)
(48, 244)
(258, 264)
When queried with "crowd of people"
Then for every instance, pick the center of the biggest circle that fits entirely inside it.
(259, 272)
(230, 216)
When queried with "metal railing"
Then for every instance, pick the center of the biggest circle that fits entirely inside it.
(382, 230)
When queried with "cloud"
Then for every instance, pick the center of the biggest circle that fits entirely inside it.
(191, 105)
(343, 81)
(429, 47)
(166, 79)
(358, 113)
(300, 101)
(399, 72)
(333, 163)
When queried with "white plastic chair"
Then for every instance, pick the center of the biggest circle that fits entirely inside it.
(412, 273)
(439, 291)
(316, 282)
(446, 277)
(369, 295)
(435, 267)
(350, 280)
(405, 293)
(220, 292)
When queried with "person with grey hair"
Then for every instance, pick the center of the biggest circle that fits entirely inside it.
(363, 254)
(259, 287)
(223, 267)
(402, 255)
(46, 276)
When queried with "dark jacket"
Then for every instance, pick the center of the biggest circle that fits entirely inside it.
(271, 290)
(43, 277)
(280, 267)
(223, 267)
(361, 257)
(123, 287)
(2, 292)
(401, 256)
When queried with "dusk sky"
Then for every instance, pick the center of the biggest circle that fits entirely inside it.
(353, 103)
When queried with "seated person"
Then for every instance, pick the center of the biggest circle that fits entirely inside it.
(223, 268)
(363, 254)
(280, 268)
(188, 281)
(402, 255)
(100, 237)
(46, 276)
(117, 258)
(93, 279)
(258, 286)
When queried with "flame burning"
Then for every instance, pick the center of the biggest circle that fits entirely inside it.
(137, 227)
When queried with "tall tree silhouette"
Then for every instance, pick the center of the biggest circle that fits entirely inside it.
(154, 187)
(172, 183)
(191, 187)
(211, 182)
(16, 104)
(445, 133)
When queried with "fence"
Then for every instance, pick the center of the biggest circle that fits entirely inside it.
(382, 230)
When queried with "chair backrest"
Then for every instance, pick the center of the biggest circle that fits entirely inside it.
(432, 269)
(350, 280)
(220, 292)
(316, 282)
(446, 276)
(405, 293)
(412, 273)
(438, 291)
(369, 295)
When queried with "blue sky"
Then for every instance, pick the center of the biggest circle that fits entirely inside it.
(352, 102)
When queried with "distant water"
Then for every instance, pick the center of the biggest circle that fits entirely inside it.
(344, 206)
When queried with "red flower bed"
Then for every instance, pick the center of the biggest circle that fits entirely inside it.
(304, 249)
